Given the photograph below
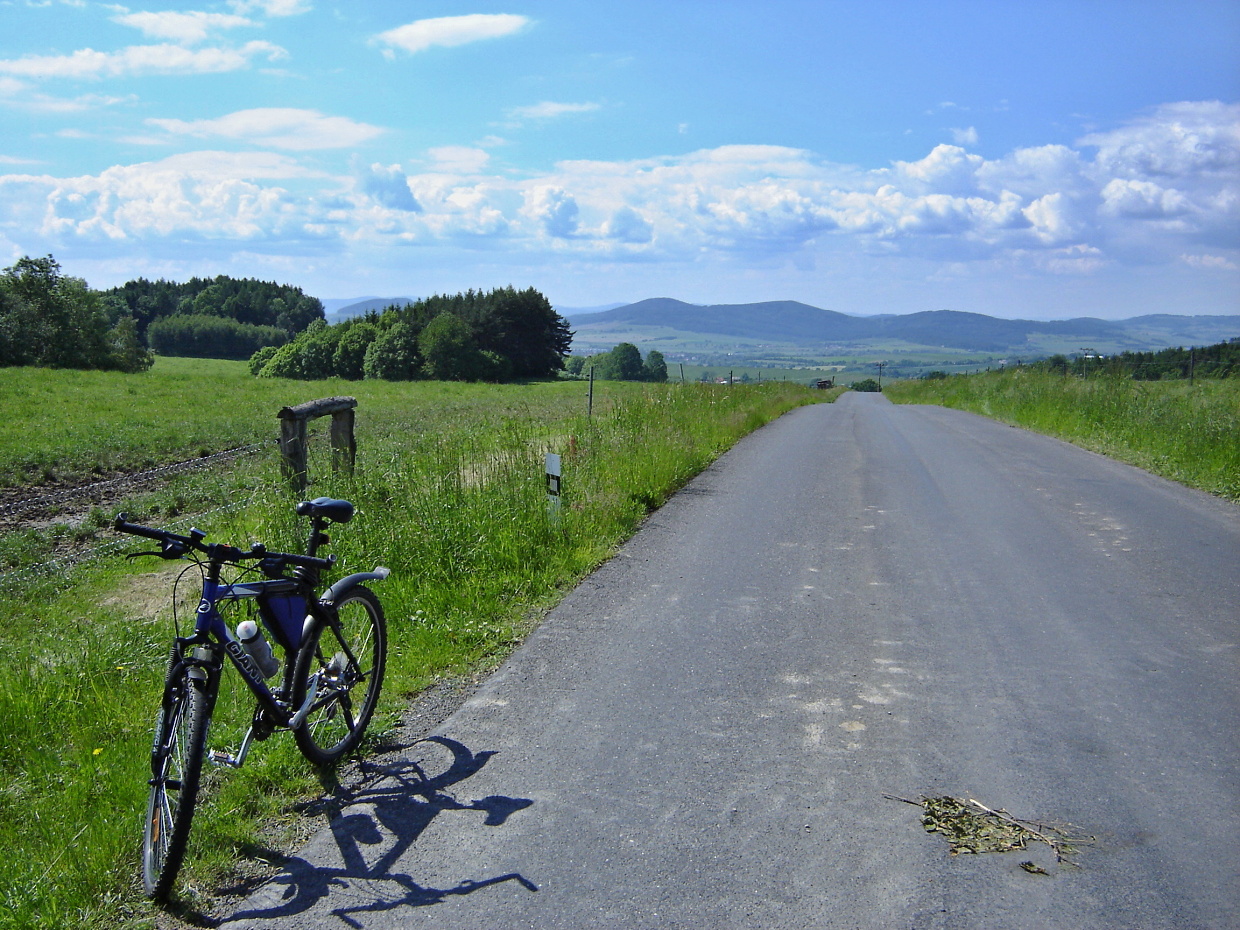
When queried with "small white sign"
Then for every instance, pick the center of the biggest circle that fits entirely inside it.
(553, 482)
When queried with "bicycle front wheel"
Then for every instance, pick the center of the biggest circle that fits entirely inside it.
(344, 657)
(176, 770)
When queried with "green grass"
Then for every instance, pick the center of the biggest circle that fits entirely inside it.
(1187, 432)
(450, 493)
(75, 425)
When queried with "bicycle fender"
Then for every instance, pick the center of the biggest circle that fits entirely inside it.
(350, 581)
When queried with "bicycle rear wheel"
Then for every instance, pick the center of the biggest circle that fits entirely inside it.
(176, 770)
(345, 656)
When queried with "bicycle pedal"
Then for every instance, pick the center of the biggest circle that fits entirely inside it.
(219, 757)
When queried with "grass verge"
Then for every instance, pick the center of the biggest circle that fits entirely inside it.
(450, 493)
(1186, 432)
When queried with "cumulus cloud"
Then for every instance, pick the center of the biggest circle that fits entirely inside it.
(210, 196)
(1134, 195)
(140, 60)
(278, 127)
(448, 32)
(1174, 140)
(187, 27)
(388, 185)
(627, 225)
(555, 210)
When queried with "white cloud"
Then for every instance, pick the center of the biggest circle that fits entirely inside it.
(1175, 140)
(459, 159)
(549, 110)
(553, 209)
(206, 196)
(947, 168)
(22, 95)
(188, 27)
(627, 225)
(139, 60)
(1142, 199)
(273, 8)
(279, 127)
(964, 136)
(449, 31)
(1049, 210)
(1216, 262)
(388, 186)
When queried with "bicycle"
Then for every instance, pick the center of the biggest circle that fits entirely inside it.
(334, 647)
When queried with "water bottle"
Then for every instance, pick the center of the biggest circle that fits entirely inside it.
(256, 647)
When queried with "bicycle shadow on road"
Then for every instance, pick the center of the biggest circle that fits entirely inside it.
(368, 844)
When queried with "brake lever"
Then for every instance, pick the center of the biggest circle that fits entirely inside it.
(138, 555)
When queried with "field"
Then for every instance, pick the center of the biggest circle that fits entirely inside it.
(1187, 432)
(450, 494)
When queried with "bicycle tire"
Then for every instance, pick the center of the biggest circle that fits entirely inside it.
(341, 654)
(176, 771)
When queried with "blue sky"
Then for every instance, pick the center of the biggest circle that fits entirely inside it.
(1038, 159)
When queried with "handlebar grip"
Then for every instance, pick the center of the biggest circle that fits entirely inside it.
(122, 524)
(309, 561)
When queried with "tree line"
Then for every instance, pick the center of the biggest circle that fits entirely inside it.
(500, 335)
(220, 317)
(1221, 360)
(623, 363)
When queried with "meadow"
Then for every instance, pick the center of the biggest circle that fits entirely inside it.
(450, 495)
(1188, 432)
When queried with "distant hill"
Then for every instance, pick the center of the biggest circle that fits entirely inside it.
(666, 324)
(568, 312)
(344, 308)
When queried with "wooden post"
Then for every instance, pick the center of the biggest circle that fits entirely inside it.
(294, 459)
(344, 445)
(293, 451)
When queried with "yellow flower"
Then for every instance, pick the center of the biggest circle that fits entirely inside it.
(96, 752)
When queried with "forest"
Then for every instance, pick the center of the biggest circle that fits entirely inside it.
(500, 335)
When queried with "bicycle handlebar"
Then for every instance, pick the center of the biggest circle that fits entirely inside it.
(174, 546)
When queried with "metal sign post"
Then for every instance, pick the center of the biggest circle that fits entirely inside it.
(553, 484)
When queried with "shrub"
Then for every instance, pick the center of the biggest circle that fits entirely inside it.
(393, 356)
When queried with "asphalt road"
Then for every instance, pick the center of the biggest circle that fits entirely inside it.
(859, 600)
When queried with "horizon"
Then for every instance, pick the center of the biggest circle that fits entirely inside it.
(1042, 162)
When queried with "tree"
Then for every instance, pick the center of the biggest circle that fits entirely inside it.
(448, 350)
(47, 318)
(393, 356)
(206, 336)
(655, 368)
(623, 363)
(126, 348)
(285, 362)
(523, 327)
(317, 346)
(350, 358)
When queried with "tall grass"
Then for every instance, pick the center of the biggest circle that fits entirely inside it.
(450, 496)
(1187, 432)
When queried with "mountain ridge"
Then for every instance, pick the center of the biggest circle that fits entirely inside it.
(790, 322)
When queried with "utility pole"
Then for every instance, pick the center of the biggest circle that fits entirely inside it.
(880, 365)
(1085, 362)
